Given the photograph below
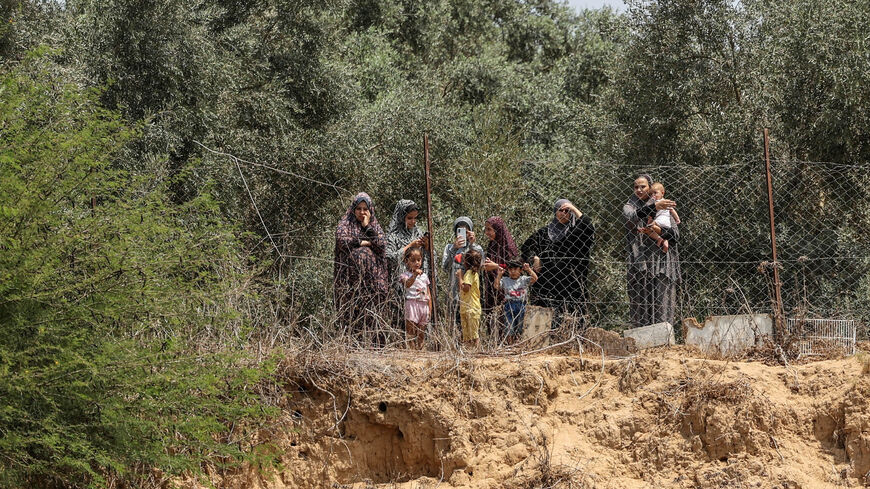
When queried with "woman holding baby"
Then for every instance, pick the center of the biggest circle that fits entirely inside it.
(652, 243)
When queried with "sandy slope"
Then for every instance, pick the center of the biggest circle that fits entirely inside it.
(663, 418)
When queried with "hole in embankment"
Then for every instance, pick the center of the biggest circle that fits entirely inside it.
(382, 407)
(396, 447)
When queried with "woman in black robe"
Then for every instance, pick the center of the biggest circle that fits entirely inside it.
(559, 253)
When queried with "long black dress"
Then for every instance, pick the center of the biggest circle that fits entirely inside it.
(561, 282)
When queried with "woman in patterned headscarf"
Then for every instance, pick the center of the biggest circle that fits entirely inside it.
(559, 253)
(499, 251)
(361, 277)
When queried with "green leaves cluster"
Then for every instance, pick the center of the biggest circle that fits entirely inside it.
(102, 283)
(115, 239)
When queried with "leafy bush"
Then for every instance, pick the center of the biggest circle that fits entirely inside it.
(101, 284)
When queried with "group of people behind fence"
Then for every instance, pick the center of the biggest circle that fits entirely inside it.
(383, 279)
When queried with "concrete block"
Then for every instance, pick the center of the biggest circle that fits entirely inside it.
(536, 327)
(659, 334)
(727, 334)
(609, 341)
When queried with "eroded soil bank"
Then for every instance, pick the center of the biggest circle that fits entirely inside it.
(663, 418)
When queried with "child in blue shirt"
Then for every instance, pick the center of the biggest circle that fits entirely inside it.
(516, 290)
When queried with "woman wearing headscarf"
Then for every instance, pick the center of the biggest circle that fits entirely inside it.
(653, 275)
(451, 261)
(361, 276)
(559, 253)
(403, 233)
(499, 251)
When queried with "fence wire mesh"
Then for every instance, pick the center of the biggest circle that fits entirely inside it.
(723, 244)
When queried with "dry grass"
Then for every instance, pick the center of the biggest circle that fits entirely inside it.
(864, 359)
(545, 474)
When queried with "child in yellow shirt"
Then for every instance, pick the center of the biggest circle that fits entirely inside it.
(469, 297)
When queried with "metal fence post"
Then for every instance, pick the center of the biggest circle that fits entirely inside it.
(432, 266)
(777, 285)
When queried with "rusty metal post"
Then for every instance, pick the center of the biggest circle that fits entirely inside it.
(777, 285)
(432, 266)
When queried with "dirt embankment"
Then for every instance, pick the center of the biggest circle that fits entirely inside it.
(665, 418)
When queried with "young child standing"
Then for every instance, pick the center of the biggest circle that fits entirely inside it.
(516, 288)
(469, 297)
(662, 218)
(418, 301)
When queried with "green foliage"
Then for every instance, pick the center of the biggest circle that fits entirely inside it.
(103, 284)
(304, 103)
(816, 54)
(336, 97)
(116, 256)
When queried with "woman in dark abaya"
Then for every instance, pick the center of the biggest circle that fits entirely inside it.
(559, 253)
(499, 251)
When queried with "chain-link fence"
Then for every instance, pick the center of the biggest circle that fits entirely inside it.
(718, 258)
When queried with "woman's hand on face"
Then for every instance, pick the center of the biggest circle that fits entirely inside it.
(569, 207)
(366, 218)
(665, 204)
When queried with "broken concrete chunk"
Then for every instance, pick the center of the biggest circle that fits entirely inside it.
(659, 334)
(727, 334)
(536, 327)
(609, 341)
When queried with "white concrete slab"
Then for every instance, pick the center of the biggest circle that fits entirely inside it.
(727, 334)
(659, 334)
(536, 327)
